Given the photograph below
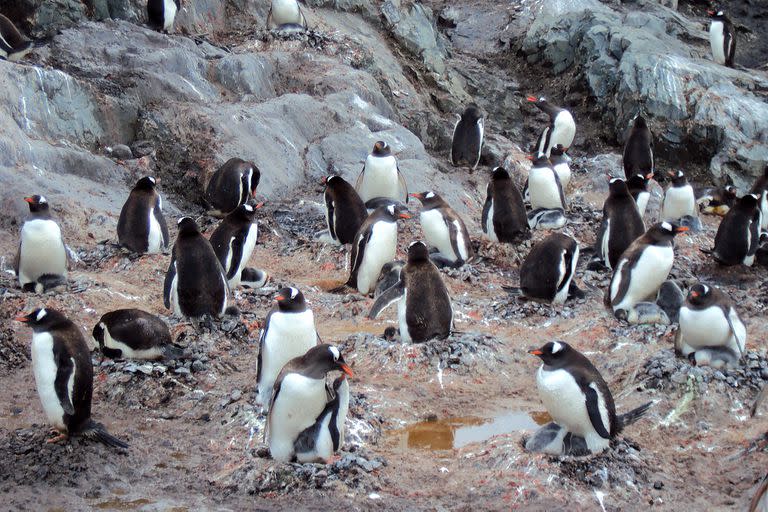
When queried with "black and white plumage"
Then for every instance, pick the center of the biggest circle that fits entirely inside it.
(547, 272)
(195, 283)
(233, 184)
(424, 309)
(289, 331)
(620, 226)
(233, 241)
(638, 189)
(717, 201)
(319, 442)
(13, 45)
(638, 149)
(41, 260)
(381, 177)
(561, 128)
(345, 212)
(299, 397)
(761, 189)
(141, 226)
(162, 13)
(134, 334)
(61, 362)
(738, 236)
(560, 162)
(468, 137)
(504, 218)
(679, 199)
(285, 14)
(544, 187)
(444, 230)
(722, 38)
(710, 331)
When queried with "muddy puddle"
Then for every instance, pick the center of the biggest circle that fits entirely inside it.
(119, 502)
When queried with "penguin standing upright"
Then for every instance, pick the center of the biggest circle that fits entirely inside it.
(195, 284)
(738, 236)
(231, 185)
(375, 245)
(424, 309)
(289, 331)
(544, 186)
(561, 129)
(344, 210)
(642, 268)
(285, 13)
(722, 38)
(638, 150)
(233, 241)
(761, 189)
(679, 199)
(319, 442)
(621, 224)
(711, 332)
(61, 362)
(162, 13)
(638, 189)
(468, 137)
(561, 164)
(13, 46)
(547, 272)
(299, 397)
(444, 230)
(141, 226)
(41, 261)
(381, 177)
(134, 334)
(504, 218)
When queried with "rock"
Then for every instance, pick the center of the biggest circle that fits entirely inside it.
(119, 151)
(414, 27)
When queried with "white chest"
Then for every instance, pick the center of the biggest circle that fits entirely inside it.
(128, 352)
(169, 14)
(42, 250)
(300, 402)
(716, 41)
(543, 189)
(380, 179)
(248, 246)
(285, 11)
(650, 271)
(156, 240)
(679, 201)
(45, 369)
(402, 322)
(565, 130)
(436, 232)
(381, 249)
(563, 171)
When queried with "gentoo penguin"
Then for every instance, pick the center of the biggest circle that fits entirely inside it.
(195, 284)
(738, 236)
(381, 177)
(638, 150)
(388, 277)
(679, 199)
(141, 227)
(717, 201)
(285, 13)
(638, 189)
(722, 38)
(710, 332)
(544, 186)
(642, 268)
(621, 224)
(759, 502)
(761, 188)
(504, 218)
(578, 399)
(134, 334)
(561, 164)
(344, 210)
(42, 255)
(319, 442)
(468, 137)
(424, 309)
(231, 185)
(13, 46)
(561, 129)
(233, 241)
(547, 271)
(161, 13)
(61, 362)
(374, 246)
(444, 230)
(299, 397)
(289, 331)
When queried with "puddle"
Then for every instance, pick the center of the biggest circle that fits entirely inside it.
(118, 504)
(452, 433)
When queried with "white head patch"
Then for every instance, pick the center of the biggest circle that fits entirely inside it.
(429, 195)
(248, 207)
(556, 347)
(680, 174)
(719, 13)
(666, 226)
(335, 352)
(41, 314)
(614, 180)
(151, 179)
(414, 243)
(706, 289)
(294, 292)
(42, 200)
(391, 209)
(179, 221)
(756, 196)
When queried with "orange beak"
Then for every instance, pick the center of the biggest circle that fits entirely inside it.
(22, 319)
(694, 294)
(404, 216)
(533, 99)
(649, 176)
(346, 369)
(258, 205)
(535, 352)
(530, 157)
(671, 173)
(417, 195)
(324, 181)
(29, 199)
(681, 229)
(279, 298)
(711, 13)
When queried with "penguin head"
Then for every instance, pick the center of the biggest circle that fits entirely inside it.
(472, 113)
(381, 148)
(699, 293)
(678, 178)
(730, 192)
(540, 160)
(554, 353)
(42, 319)
(290, 299)
(244, 212)
(418, 251)
(187, 226)
(146, 183)
(639, 121)
(396, 211)
(325, 358)
(427, 198)
(37, 203)
(534, 99)
(638, 181)
(749, 201)
(332, 180)
(558, 150)
(617, 187)
(666, 230)
(717, 14)
(499, 173)
(98, 333)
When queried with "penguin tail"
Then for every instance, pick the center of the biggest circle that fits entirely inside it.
(513, 290)
(632, 416)
(173, 352)
(707, 251)
(342, 288)
(98, 432)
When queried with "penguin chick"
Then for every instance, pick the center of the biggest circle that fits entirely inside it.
(544, 187)
(718, 201)
(467, 141)
(638, 150)
(345, 212)
(231, 185)
(638, 189)
(561, 164)
(547, 272)
(381, 177)
(41, 260)
(444, 230)
(141, 226)
(621, 224)
(319, 442)
(134, 334)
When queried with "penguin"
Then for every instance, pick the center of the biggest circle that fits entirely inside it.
(621, 224)
(547, 272)
(233, 241)
(561, 164)
(285, 14)
(388, 277)
(759, 502)
(638, 150)
(231, 185)
(141, 226)
(544, 218)
(722, 38)
(345, 212)
(578, 398)
(195, 284)
(738, 236)
(504, 219)
(61, 362)
(444, 230)
(134, 334)
(162, 13)
(468, 137)
(642, 268)
(424, 309)
(561, 129)
(42, 255)
(289, 331)
(710, 331)
(13, 46)
(679, 199)
(381, 177)
(253, 278)
(319, 442)
(375, 245)
(299, 397)
(670, 299)
(544, 186)
(717, 201)
(638, 189)
(761, 189)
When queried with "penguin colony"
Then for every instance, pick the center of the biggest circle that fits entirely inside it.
(305, 411)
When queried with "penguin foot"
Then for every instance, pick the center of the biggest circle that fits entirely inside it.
(59, 437)
(574, 292)
(596, 265)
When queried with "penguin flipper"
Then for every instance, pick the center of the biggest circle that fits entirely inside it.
(160, 218)
(330, 206)
(392, 294)
(169, 277)
(262, 339)
(599, 240)
(358, 250)
(237, 255)
(401, 182)
(359, 179)
(560, 189)
(65, 367)
(593, 410)
(486, 209)
(17, 260)
(729, 315)
(270, 23)
(628, 418)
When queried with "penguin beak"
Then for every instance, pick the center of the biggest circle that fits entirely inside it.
(530, 157)
(535, 352)
(29, 199)
(417, 195)
(25, 319)
(681, 229)
(533, 99)
(324, 181)
(279, 298)
(694, 294)
(711, 13)
(404, 215)
(671, 174)
(346, 369)
(649, 176)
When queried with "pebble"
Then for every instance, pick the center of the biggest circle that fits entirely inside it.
(182, 371)
(236, 395)
(198, 366)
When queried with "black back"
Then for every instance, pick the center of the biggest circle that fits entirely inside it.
(228, 187)
(133, 327)
(539, 273)
(429, 313)
(133, 224)
(509, 217)
(467, 137)
(621, 221)
(638, 150)
(346, 211)
(230, 235)
(11, 39)
(738, 235)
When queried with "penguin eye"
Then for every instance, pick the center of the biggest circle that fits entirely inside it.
(334, 352)
(41, 314)
(666, 226)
